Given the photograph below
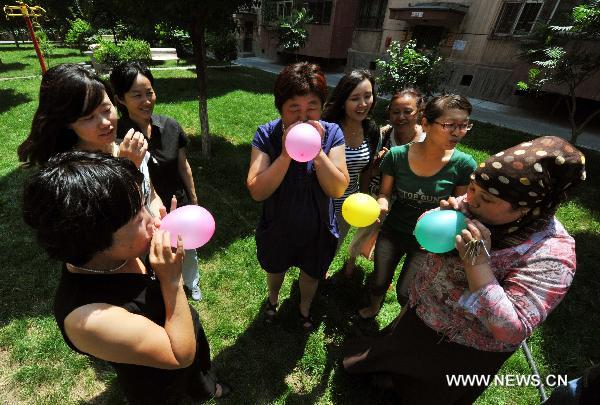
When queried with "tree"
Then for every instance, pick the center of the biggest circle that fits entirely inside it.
(407, 67)
(79, 35)
(15, 26)
(292, 30)
(195, 17)
(566, 56)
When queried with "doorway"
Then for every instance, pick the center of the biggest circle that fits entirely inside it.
(248, 36)
(428, 36)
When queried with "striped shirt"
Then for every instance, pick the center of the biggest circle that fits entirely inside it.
(356, 160)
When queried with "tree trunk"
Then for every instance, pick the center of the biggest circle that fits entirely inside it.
(199, 43)
(579, 130)
(572, 107)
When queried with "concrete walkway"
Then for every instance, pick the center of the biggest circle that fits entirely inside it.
(484, 111)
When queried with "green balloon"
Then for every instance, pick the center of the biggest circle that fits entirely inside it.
(436, 231)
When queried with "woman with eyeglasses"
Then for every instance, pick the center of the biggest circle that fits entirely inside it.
(420, 175)
(470, 309)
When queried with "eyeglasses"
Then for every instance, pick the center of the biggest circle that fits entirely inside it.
(451, 127)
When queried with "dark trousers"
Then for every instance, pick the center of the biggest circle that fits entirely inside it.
(389, 250)
(418, 359)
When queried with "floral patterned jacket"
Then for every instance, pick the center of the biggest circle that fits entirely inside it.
(531, 280)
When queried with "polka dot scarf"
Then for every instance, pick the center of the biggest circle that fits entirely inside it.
(535, 175)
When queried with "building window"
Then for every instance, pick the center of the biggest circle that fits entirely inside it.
(372, 13)
(517, 17)
(320, 10)
(284, 8)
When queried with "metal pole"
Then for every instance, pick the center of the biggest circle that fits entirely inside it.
(534, 369)
(35, 43)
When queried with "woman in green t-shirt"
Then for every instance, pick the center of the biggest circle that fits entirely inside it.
(419, 175)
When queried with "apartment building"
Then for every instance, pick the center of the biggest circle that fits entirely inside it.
(480, 39)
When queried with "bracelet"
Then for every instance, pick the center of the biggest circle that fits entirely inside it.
(474, 249)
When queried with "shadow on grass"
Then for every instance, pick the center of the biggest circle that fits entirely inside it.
(221, 187)
(8, 67)
(570, 334)
(268, 363)
(10, 98)
(56, 56)
(178, 89)
(260, 360)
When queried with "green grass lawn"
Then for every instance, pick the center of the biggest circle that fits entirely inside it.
(264, 364)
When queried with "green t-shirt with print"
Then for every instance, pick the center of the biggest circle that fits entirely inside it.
(416, 194)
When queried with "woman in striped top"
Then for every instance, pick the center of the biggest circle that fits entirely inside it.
(350, 106)
(404, 113)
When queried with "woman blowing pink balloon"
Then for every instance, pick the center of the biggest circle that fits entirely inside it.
(87, 210)
(297, 226)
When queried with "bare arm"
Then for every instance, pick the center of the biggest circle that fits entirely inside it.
(185, 171)
(385, 192)
(364, 179)
(264, 177)
(332, 172)
(114, 334)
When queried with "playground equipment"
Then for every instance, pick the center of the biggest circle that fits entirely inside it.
(28, 12)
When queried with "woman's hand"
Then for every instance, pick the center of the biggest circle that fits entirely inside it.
(134, 147)
(475, 231)
(450, 204)
(284, 152)
(163, 210)
(165, 263)
(376, 163)
(383, 208)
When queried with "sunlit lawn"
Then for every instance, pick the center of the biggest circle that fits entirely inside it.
(275, 364)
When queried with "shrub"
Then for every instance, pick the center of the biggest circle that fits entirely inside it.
(46, 46)
(172, 37)
(110, 54)
(80, 34)
(292, 30)
(407, 67)
(223, 45)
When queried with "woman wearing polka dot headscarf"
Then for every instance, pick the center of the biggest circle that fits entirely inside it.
(470, 309)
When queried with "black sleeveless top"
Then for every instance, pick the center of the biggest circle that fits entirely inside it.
(139, 294)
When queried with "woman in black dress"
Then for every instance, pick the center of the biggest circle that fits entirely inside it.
(88, 212)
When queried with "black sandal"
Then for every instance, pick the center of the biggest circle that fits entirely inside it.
(225, 390)
(308, 324)
(270, 311)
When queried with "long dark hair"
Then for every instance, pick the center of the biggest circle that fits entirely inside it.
(122, 78)
(67, 93)
(334, 108)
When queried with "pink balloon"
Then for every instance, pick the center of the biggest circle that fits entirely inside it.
(195, 225)
(303, 142)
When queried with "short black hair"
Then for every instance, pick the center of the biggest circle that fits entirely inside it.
(334, 108)
(436, 107)
(67, 93)
(299, 79)
(122, 78)
(78, 200)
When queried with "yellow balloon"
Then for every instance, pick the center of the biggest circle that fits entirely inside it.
(360, 210)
